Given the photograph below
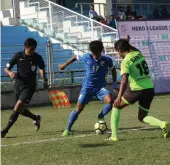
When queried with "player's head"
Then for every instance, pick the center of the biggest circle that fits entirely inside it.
(122, 46)
(96, 48)
(30, 46)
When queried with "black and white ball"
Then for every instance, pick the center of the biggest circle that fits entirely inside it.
(100, 127)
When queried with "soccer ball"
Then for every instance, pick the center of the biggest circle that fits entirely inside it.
(100, 127)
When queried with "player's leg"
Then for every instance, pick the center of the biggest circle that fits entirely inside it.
(105, 96)
(144, 106)
(115, 117)
(26, 96)
(83, 99)
(129, 97)
(14, 116)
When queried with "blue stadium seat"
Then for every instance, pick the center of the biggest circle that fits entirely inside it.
(21, 40)
(13, 41)
(66, 53)
(10, 34)
(14, 29)
(56, 46)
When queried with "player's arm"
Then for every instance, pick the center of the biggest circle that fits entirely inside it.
(124, 81)
(42, 72)
(68, 62)
(123, 85)
(10, 65)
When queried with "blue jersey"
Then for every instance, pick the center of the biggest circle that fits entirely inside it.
(96, 70)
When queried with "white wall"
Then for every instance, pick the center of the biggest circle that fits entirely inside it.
(6, 4)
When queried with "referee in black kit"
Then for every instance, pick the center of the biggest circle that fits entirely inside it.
(27, 63)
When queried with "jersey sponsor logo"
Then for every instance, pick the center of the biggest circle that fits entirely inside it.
(7, 65)
(33, 67)
(137, 57)
(102, 63)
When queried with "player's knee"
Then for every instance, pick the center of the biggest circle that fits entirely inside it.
(79, 108)
(19, 107)
(109, 99)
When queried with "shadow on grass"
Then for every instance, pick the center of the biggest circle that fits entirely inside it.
(9, 137)
(80, 132)
(91, 145)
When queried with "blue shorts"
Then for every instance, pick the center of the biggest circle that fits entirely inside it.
(86, 94)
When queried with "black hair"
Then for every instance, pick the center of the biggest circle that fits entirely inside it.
(30, 42)
(96, 46)
(122, 45)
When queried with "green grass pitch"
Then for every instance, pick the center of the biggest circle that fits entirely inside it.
(24, 146)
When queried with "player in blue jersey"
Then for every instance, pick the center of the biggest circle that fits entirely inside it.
(96, 66)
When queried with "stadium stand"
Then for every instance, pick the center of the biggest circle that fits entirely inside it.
(13, 38)
(69, 32)
(7, 19)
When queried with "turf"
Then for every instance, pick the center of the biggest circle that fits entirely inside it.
(140, 147)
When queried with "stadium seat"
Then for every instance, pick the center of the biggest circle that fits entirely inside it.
(13, 39)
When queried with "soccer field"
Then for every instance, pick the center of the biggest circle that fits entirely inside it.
(138, 145)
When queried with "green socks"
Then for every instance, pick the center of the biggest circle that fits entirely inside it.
(153, 121)
(115, 116)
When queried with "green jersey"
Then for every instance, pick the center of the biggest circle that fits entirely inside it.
(135, 66)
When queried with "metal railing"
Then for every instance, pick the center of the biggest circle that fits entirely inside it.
(61, 23)
(143, 8)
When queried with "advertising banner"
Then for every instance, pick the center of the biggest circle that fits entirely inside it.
(152, 38)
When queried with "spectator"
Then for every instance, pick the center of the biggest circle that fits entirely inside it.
(92, 13)
(122, 17)
(121, 13)
(133, 17)
(156, 12)
(140, 17)
(102, 20)
(112, 22)
(164, 12)
(129, 17)
(129, 11)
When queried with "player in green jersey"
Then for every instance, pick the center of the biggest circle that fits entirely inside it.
(140, 88)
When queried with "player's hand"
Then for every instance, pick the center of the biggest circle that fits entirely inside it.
(117, 102)
(61, 66)
(12, 75)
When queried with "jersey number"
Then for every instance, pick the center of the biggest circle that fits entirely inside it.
(143, 68)
(95, 68)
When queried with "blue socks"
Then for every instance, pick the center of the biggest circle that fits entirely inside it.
(74, 115)
(107, 108)
(73, 118)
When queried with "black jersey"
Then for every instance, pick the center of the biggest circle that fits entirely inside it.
(26, 67)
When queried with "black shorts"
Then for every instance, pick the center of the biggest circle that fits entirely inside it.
(144, 97)
(24, 92)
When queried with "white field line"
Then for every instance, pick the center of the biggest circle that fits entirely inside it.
(72, 137)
